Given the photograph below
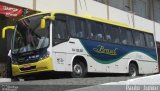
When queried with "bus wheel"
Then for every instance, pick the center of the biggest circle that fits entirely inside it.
(78, 70)
(133, 70)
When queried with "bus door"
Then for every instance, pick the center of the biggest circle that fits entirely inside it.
(59, 42)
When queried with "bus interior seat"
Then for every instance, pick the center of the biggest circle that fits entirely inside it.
(137, 42)
(108, 37)
(152, 44)
(80, 34)
(116, 40)
(58, 36)
(99, 37)
(124, 41)
(91, 35)
(43, 42)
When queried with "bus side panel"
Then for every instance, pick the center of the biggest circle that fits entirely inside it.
(59, 56)
(103, 57)
(152, 67)
(75, 48)
(147, 64)
(63, 55)
(115, 58)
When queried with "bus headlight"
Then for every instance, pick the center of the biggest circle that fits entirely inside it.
(46, 55)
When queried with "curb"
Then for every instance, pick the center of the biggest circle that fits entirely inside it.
(5, 80)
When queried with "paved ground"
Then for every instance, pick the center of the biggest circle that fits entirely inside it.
(147, 83)
(61, 84)
(71, 81)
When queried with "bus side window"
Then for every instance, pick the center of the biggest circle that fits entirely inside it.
(126, 36)
(108, 36)
(149, 40)
(139, 39)
(112, 33)
(77, 27)
(72, 26)
(96, 31)
(91, 34)
(116, 34)
(80, 28)
(136, 38)
(59, 31)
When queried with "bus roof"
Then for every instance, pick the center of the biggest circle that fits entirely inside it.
(90, 18)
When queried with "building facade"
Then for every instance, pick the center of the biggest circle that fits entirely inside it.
(141, 14)
(130, 12)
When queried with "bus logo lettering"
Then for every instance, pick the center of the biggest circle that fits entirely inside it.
(102, 50)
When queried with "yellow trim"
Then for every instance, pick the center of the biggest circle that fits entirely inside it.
(41, 66)
(91, 18)
(49, 17)
(33, 15)
(6, 28)
(43, 21)
(43, 24)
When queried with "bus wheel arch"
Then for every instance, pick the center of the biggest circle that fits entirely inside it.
(79, 67)
(133, 68)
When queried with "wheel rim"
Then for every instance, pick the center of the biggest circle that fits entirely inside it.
(77, 69)
(133, 72)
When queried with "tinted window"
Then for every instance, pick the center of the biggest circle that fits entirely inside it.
(77, 27)
(139, 39)
(72, 26)
(29, 36)
(59, 31)
(149, 40)
(112, 33)
(126, 36)
(81, 28)
(60, 17)
(96, 31)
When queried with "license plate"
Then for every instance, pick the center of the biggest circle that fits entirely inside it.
(26, 66)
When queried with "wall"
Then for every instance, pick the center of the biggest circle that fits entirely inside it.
(22, 3)
(121, 16)
(144, 24)
(93, 8)
(157, 10)
(50, 5)
(157, 31)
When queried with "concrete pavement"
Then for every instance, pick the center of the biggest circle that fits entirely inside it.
(5, 80)
(147, 83)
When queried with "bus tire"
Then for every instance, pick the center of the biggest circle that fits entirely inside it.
(133, 70)
(78, 70)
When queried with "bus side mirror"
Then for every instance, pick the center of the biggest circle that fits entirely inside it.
(43, 23)
(6, 28)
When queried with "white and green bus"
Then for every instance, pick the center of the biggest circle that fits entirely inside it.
(64, 42)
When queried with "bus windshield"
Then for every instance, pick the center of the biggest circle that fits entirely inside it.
(29, 36)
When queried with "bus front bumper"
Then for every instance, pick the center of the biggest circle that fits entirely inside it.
(30, 68)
